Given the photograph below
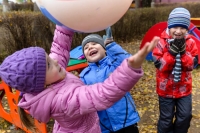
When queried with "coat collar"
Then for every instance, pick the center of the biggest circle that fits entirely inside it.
(101, 63)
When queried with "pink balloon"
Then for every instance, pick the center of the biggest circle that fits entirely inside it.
(84, 15)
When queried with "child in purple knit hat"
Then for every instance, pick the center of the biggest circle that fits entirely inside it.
(51, 92)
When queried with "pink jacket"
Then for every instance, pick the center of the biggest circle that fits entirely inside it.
(72, 104)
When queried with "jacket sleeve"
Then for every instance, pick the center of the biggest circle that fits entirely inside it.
(83, 80)
(83, 73)
(190, 58)
(163, 60)
(115, 52)
(61, 45)
(90, 98)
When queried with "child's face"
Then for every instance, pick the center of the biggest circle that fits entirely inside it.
(94, 52)
(54, 72)
(177, 32)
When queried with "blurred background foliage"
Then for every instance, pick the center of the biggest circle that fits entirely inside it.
(25, 26)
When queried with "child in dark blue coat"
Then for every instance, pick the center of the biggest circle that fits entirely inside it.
(104, 56)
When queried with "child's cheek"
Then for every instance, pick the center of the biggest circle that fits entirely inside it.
(171, 34)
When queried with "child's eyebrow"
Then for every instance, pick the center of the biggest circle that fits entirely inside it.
(94, 42)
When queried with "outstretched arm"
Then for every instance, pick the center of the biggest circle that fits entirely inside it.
(100, 96)
(61, 45)
(136, 60)
(113, 50)
(163, 60)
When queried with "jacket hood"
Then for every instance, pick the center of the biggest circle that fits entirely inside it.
(40, 103)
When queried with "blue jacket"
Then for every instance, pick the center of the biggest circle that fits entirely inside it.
(117, 116)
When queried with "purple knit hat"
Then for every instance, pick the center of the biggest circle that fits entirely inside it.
(25, 70)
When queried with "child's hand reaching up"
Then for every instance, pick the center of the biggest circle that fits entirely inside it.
(136, 60)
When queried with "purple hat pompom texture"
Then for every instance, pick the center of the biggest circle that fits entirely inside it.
(25, 70)
(179, 17)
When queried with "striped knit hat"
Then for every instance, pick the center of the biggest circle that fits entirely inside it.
(179, 17)
(93, 38)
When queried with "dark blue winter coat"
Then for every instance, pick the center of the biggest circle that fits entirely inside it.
(123, 113)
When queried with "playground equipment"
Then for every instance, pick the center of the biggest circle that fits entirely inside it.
(77, 60)
(158, 28)
(76, 65)
(12, 115)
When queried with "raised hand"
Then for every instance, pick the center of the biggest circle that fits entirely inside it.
(137, 59)
(108, 38)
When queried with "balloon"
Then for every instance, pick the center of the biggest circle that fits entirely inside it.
(84, 15)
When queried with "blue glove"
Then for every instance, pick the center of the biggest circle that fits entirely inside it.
(108, 38)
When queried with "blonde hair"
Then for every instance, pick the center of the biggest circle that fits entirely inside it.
(26, 119)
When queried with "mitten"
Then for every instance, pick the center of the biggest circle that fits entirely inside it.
(180, 43)
(108, 37)
(173, 49)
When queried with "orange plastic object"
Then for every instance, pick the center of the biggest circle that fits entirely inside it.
(12, 116)
(196, 22)
(78, 67)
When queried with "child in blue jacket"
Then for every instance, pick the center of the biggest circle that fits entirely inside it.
(103, 58)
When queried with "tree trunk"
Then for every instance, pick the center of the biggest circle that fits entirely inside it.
(137, 3)
(35, 8)
(152, 3)
(5, 6)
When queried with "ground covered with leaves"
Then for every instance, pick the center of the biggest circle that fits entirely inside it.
(145, 98)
